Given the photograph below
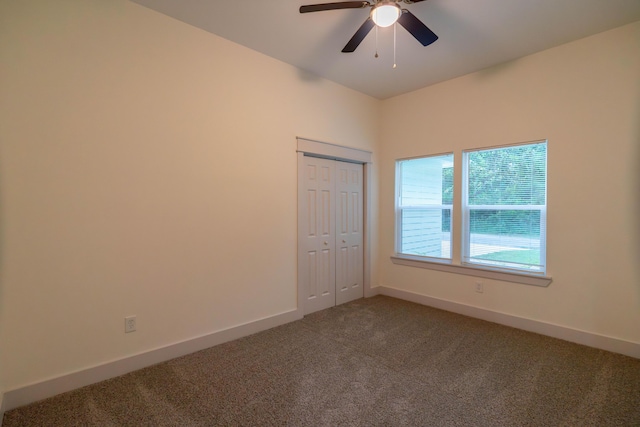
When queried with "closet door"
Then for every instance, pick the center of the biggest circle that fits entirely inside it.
(330, 237)
(349, 236)
(316, 234)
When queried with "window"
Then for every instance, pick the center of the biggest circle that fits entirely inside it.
(423, 209)
(501, 232)
(504, 207)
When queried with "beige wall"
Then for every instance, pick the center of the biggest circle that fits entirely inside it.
(148, 168)
(584, 98)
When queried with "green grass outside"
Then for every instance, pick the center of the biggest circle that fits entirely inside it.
(528, 256)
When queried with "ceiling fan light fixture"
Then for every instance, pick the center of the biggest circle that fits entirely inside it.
(385, 14)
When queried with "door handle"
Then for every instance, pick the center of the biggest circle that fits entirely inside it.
(344, 241)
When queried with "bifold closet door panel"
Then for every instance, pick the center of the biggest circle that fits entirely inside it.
(317, 228)
(349, 233)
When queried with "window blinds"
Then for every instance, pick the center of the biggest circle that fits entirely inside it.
(504, 207)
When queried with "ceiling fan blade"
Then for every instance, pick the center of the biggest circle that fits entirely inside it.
(332, 6)
(417, 29)
(359, 36)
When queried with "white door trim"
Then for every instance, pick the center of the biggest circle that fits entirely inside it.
(333, 151)
(347, 154)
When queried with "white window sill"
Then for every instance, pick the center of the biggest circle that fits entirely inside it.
(524, 278)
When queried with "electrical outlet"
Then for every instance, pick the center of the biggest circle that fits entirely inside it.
(129, 324)
(479, 287)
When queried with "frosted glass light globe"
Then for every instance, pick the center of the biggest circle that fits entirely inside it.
(385, 15)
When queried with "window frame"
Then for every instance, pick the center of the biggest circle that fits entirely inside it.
(465, 255)
(398, 211)
(456, 264)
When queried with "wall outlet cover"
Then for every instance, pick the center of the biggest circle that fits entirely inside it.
(129, 324)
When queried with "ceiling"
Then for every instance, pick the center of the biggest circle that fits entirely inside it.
(473, 35)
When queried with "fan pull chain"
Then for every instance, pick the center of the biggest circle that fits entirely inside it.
(376, 55)
(395, 25)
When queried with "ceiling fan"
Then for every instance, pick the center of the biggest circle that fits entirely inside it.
(383, 14)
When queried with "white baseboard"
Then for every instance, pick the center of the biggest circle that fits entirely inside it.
(48, 388)
(371, 292)
(556, 331)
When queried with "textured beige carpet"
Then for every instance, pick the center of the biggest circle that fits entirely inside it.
(377, 361)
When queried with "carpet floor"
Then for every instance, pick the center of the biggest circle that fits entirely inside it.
(372, 362)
